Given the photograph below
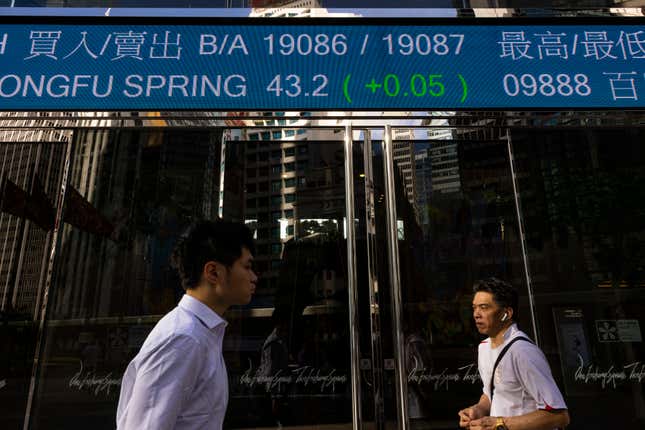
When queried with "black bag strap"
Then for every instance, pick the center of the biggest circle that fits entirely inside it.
(499, 358)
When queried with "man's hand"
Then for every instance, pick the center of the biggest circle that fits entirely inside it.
(467, 415)
(485, 423)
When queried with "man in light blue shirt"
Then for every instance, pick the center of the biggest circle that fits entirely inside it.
(178, 379)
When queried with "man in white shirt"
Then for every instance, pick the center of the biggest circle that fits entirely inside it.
(522, 395)
(178, 379)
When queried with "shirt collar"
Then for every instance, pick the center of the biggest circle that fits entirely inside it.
(510, 332)
(201, 311)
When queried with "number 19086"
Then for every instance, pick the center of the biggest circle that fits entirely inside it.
(547, 85)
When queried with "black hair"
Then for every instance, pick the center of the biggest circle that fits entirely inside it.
(204, 241)
(504, 294)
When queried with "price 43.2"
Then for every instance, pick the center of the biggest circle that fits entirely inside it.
(294, 86)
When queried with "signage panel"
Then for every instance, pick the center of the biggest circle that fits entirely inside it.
(350, 64)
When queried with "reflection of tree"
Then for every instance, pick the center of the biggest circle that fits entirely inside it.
(450, 321)
(472, 234)
(614, 208)
(584, 209)
(600, 197)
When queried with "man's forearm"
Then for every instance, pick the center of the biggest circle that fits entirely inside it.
(538, 420)
(483, 406)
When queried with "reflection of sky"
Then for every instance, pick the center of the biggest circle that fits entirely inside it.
(372, 11)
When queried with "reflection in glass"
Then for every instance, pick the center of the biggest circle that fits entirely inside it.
(584, 212)
(463, 227)
(132, 194)
(31, 174)
(294, 365)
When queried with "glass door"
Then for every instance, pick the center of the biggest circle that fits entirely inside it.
(291, 348)
(451, 219)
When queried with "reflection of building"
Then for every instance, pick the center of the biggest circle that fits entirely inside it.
(509, 8)
(445, 167)
(423, 183)
(444, 159)
(30, 159)
(101, 170)
(291, 9)
(146, 186)
(283, 8)
(283, 166)
(437, 168)
(403, 155)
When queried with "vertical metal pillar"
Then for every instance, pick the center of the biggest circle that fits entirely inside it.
(520, 226)
(352, 279)
(372, 279)
(401, 382)
(226, 135)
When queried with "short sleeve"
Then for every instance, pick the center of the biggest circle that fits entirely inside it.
(536, 378)
(485, 377)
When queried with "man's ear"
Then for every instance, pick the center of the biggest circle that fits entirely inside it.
(210, 272)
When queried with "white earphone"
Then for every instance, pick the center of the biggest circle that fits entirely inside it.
(505, 316)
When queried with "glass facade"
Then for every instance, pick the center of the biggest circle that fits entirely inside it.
(583, 212)
(580, 277)
(368, 243)
(98, 267)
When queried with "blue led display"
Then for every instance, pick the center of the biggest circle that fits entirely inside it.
(320, 66)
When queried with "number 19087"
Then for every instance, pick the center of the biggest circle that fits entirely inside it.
(424, 44)
(547, 85)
